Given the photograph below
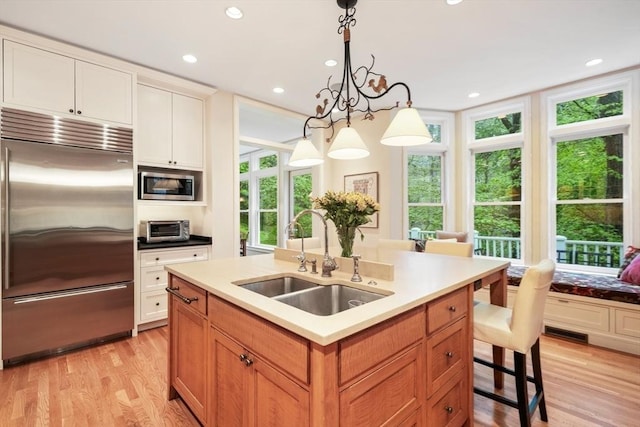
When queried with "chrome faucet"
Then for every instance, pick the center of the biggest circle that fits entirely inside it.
(356, 269)
(328, 263)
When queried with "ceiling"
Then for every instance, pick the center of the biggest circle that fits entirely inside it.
(498, 48)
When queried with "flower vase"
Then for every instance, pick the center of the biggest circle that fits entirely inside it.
(346, 235)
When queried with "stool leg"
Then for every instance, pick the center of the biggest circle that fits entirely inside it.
(537, 376)
(520, 364)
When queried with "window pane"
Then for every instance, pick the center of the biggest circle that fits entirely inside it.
(583, 231)
(590, 168)
(496, 126)
(244, 224)
(244, 195)
(269, 192)
(426, 218)
(425, 178)
(244, 167)
(436, 132)
(498, 175)
(268, 228)
(301, 191)
(497, 231)
(268, 161)
(589, 108)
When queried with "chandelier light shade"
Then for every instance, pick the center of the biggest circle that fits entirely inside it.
(305, 154)
(348, 145)
(406, 129)
(354, 94)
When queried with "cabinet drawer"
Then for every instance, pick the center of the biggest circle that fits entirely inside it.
(153, 279)
(447, 309)
(388, 395)
(448, 408)
(153, 305)
(282, 348)
(174, 256)
(446, 355)
(628, 323)
(190, 291)
(566, 312)
(367, 349)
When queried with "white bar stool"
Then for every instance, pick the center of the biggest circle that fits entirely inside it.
(519, 330)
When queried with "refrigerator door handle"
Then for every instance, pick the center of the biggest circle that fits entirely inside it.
(7, 246)
(65, 294)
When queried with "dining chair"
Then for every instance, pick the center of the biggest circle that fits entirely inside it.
(309, 243)
(519, 330)
(448, 247)
(402, 245)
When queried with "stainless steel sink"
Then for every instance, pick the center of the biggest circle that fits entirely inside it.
(328, 299)
(278, 286)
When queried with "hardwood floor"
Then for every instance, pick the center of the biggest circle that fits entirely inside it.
(123, 383)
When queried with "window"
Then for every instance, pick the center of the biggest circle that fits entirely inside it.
(496, 142)
(259, 198)
(300, 186)
(426, 168)
(589, 141)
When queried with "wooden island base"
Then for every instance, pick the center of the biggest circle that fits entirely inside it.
(233, 368)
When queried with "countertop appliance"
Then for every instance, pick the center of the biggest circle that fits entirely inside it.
(67, 233)
(166, 186)
(154, 231)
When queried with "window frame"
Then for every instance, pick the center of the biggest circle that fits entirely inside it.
(621, 124)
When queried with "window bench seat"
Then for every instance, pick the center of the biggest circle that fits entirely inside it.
(591, 308)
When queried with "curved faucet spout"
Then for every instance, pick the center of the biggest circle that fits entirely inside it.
(328, 263)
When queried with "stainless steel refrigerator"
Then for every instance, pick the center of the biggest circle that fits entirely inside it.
(67, 233)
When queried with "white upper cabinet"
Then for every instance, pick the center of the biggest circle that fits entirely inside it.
(169, 129)
(43, 80)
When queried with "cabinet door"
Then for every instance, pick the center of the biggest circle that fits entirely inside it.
(38, 79)
(153, 128)
(278, 401)
(229, 378)
(103, 93)
(188, 356)
(187, 135)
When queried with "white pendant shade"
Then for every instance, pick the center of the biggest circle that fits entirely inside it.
(305, 154)
(348, 145)
(406, 129)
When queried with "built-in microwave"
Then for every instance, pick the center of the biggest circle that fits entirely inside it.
(165, 186)
(165, 231)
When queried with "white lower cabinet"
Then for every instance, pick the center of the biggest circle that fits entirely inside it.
(154, 278)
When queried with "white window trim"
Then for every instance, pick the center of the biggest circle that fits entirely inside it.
(522, 140)
(627, 124)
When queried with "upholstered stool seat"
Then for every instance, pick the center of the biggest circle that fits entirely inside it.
(519, 330)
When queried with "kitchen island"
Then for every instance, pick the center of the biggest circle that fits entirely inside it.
(241, 358)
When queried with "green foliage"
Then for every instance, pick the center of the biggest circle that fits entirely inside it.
(497, 126)
(301, 200)
(589, 108)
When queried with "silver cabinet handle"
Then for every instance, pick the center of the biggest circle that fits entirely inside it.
(174, 291)
(7, 210)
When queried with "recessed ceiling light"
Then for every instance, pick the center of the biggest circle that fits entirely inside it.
(330, 62)
(233, 12)
(474, 95)
(593, 62)
(452, 2)
(278, 90)
(190, 59)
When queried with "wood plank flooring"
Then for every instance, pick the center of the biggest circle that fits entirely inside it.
(123, 383)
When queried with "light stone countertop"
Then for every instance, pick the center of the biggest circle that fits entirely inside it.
(418, 278)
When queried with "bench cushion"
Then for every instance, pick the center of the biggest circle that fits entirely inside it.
(585, 284)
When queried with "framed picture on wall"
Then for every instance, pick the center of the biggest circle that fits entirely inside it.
(365, 183)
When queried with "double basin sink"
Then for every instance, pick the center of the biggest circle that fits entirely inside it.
(322, 300)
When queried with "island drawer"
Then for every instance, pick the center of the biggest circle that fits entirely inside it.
(282, 348)
(447, 309)
(367, 349)
(197, 296)
(449, 407)
(446, 355)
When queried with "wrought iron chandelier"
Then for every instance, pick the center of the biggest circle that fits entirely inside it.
(354, 95)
